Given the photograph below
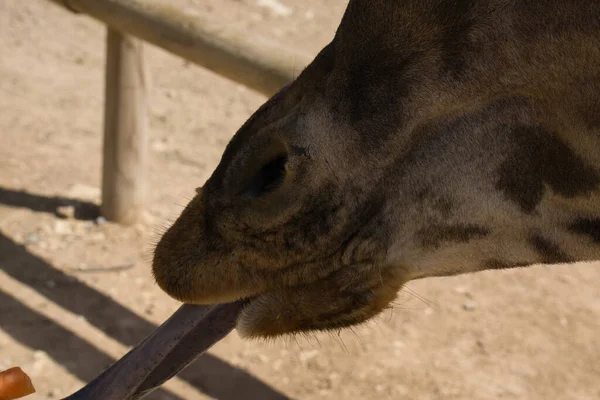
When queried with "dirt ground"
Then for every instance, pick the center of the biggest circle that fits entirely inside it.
(76, 293)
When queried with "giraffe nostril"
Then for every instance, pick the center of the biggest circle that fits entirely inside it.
(269, 177)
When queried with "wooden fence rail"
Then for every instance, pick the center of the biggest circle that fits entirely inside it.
(236, 55)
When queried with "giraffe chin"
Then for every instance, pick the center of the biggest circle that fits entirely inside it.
(281, 312)
(343, 299)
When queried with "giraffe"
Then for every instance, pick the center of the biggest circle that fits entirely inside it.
(428, 138)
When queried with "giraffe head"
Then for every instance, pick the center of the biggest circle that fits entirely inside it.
(426, 139)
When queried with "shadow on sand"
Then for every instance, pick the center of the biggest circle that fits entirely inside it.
(209, 374)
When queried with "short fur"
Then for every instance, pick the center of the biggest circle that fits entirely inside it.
(429, 138)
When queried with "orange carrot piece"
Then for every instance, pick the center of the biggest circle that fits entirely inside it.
(14, 384)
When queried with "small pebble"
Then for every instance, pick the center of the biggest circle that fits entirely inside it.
(323, 383)
(62, 227)
(101, 220)
(566, 279)
(262, 358)
(140, 229)
(66, 211)
(318, 363)
(160, 146)
(277, 365)
(469, 305)
(307, 355)
(82, 266)
(149, 310)
(40, 355)
(481, 345)
(276, 7)
(237, 360)
(32, 238)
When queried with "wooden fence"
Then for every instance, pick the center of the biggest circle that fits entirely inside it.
(238, 56)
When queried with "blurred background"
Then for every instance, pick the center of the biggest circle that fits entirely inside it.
(76, 291)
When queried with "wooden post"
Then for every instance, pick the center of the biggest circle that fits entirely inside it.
(125, 129)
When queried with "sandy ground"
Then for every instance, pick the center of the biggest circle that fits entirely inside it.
(76, 294)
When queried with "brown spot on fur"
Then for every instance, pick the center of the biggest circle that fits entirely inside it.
(374, 80)
(539, 158)
(434, 203)
(587, 226)
(459, 233)
(549, 252)
(586, 102)
(456, 17)
(494, 263)
(374, 91)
